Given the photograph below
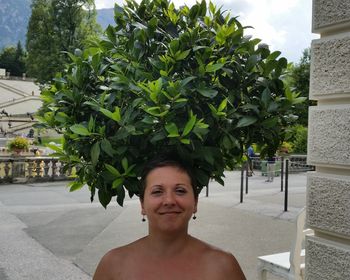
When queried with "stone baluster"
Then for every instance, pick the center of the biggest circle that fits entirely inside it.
(30, 168)
(7, 169)
(38, 168)
(63, 174)
(54, 168)
(46, 168)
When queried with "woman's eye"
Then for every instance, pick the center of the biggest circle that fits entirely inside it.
(181, 191)
(156, 192)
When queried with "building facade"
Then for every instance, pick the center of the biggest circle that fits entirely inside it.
(328, 189)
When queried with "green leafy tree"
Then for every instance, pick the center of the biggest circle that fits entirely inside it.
(55, 28)
(13, 60)
(299, 80)
(185, 79)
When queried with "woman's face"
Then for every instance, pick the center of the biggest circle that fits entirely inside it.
(169, 201)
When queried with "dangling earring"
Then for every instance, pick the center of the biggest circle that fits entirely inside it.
(143, 218)
(194, 216)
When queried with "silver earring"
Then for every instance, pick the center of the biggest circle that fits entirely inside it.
(143, 218)
(194, 216)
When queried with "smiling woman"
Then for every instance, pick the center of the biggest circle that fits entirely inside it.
(169, 198)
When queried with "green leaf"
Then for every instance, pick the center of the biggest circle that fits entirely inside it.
(222, 105)
(75, 185)
(80, 129)
(214, 67)
(185, 141)
(266, 97)
(274, 55)
(251, 62)
(172, 129)
(246, 121)
(156, 111)
(207, 92)
(112, 170)
(111, 34)
(182, 55)
(120, 195)
(95, 153)
(187, 80)
(174, 45)
(189, 125)
(270, 122)
(114, 116)
(125, 163)
(117, 183)
(107, 147)
(104, 197)
(56, 148)
(196, 48)
(91, 124)
(61, 117)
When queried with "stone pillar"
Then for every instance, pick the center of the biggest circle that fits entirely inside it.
(328, 188)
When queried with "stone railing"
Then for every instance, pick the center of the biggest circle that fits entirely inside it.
(24, 77)
(296, 163)
(32, 169)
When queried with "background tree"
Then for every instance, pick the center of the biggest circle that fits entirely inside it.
(55, 28)
(299, 80)
(185, 80)
(13, 60)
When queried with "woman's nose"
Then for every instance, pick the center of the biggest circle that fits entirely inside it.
(169, 199)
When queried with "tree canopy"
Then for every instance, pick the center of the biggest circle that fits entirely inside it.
(13, 60)
(186, 80)
(299, 80)
(55, 28)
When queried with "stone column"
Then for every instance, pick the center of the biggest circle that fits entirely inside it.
(328, 193)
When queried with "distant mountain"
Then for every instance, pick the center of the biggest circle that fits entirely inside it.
(105, 17)
(14, 17)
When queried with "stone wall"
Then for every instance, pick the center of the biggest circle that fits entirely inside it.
(328, 194)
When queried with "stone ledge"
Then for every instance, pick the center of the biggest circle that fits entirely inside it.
(329, 14)
(323, 191)
(326, 259)
(329, 135)
(330, 67)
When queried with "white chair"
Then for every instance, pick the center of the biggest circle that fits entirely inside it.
(289, 265)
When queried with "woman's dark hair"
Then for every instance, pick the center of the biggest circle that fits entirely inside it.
(164, 160)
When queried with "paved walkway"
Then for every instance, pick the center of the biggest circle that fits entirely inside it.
(48, 233)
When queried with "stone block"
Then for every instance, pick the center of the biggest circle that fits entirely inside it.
(330, 14)
(328, 200)
(326, 260)
(330, 67)
(329, 136)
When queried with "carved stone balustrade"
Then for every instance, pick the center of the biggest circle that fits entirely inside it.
(32, 169)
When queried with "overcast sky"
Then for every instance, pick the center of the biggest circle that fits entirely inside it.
(283, 25)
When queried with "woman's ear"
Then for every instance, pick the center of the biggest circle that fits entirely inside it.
(142, 208)
(195, 205)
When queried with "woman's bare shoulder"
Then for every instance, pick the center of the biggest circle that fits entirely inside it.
(107, 268)
(220, 262)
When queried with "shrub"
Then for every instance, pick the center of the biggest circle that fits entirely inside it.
(285, 148)
(300, 140)
(19, 143)
(163, 78)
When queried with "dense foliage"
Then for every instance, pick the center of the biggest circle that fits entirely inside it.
(163, 78)
(13, 60)
(297, 137)
(55, 28)
(299, 80)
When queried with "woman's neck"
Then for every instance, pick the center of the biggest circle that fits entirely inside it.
(167, 244)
